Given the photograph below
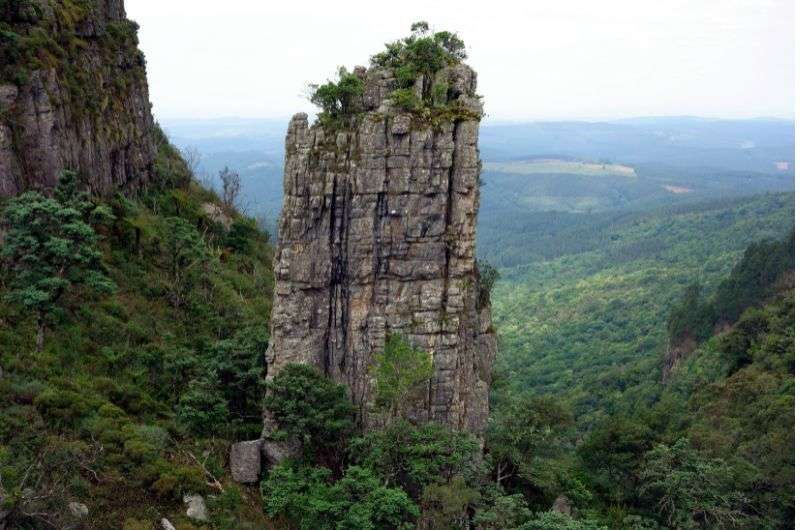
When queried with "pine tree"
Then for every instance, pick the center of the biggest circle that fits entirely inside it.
(50, 248)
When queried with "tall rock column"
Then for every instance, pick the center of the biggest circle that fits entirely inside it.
(376, 237)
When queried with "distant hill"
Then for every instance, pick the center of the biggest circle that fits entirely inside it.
(676, 160)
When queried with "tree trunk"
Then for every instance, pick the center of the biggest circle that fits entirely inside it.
(39, 333)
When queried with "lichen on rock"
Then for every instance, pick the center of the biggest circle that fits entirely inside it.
(73, 95)
(377, 237)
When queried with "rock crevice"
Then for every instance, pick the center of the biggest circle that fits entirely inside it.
(377, 236)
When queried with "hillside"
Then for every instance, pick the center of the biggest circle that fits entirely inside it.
(135, 395)
(588, 322)
(676, 160)
(709, 447)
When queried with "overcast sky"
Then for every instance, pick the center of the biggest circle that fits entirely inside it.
(556, 59)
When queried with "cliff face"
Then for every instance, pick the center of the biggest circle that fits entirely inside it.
(73, 95)
(377, 236)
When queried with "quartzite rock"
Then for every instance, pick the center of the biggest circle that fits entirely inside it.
(246, 461)
(46, 128)
(377, 236)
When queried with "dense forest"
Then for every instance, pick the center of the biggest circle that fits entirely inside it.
(636, 432)
(646, 373)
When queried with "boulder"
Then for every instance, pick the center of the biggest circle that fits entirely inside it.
(562, 504)
(196, 507)
(216, 214)
(78, 510)
(245, 460)
(166, 525)
(276, 452)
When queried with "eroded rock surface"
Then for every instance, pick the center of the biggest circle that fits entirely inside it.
(377, 236)
(245, 461)
(88, 111)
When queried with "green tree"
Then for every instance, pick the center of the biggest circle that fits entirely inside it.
(527, 438)
(487, 277)
(50, 248)
(238, 366)
(446, 505)
(611, 456)
(337, 98)
(500, 512)
(311, 409)
(690, 491)
(559, 521)
(413, 457)
(186, 254)
(306, 498)
(202, 408)
(400, 372)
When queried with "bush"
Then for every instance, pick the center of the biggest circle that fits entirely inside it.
(487, 277)
(559, 521)
(202, 409)
(307, 498)
(413, 457)
(309, 408)
(400, 372)
(406, 99)
(337, 98)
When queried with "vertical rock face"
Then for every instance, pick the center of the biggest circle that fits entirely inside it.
(77, 100)
(377, 236)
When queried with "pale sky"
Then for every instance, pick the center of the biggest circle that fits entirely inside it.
(556, 59)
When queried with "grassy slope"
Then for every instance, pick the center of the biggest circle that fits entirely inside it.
(590, 326)
(96, 417)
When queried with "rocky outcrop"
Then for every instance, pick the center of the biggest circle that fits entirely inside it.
(78, 100)
(377, 236)
(245, 460)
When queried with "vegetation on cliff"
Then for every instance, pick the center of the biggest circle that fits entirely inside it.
(62, 35)
(136, 393)
(415, 64)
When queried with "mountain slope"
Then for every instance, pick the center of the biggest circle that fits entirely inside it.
(588, 325)
(135, 397)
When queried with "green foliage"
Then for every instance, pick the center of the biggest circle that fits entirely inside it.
(487, 277)
(51, 248)
(423, 52)
(310, 409)
(602, 325)
(417, 57)
(131, 392)
(412, 458)
(406, 99)
(528, 440)
(752, 280)
(202, 408)
(338, 98)
(242, 234)
(400, 372)
(690, 491)
(742, 406)
(420, 56)
(613, 452)
(446, 505)
(307, 498)
(503, 512)
(559, 521)
(588, 325)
